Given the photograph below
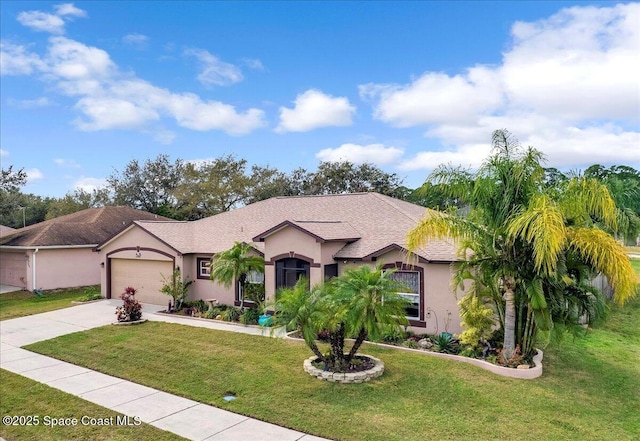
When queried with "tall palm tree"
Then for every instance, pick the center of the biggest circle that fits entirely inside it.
(521, 242)
(233, 265)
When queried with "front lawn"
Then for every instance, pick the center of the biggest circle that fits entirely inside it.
(21, 303)
(20, 396)
(589, 389)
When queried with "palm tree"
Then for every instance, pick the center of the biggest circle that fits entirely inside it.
(358, 304)
(522, 243)
(233, 265)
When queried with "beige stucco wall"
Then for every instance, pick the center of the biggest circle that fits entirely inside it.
(202, 288)
(65, 268)
(54, 267)
(440, 302)
(286, 241)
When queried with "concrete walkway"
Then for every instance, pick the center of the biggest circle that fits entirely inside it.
(187, 418)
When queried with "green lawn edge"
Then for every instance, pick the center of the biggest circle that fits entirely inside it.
(589, 389)
(20, 396)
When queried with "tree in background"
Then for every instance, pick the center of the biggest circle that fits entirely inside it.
(149, 187)
(77, 200)
(529, 251)
(212, 187)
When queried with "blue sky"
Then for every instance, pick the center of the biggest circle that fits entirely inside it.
(88, 86)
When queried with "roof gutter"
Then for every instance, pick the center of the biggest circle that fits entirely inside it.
(47, 247)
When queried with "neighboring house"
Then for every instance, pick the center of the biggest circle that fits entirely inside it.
(5, 231)
(313, 236)
(59, 253)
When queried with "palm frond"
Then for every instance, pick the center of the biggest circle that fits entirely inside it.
(607, 256)
(542, 225)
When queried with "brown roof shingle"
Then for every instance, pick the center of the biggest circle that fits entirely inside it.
(375, 222)
(87, 227)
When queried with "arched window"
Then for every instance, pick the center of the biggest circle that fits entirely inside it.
(289, 271)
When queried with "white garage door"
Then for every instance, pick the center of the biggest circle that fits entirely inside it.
(13, 269)
(143, 275)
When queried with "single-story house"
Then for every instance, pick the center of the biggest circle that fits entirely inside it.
(59, 253)
(313, 236)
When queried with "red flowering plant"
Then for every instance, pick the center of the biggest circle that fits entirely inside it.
(131, 309)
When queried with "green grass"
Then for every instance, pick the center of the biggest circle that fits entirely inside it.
(22, 303)
(24, 397)
(589, 389)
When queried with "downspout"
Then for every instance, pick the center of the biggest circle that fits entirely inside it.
(35, 286)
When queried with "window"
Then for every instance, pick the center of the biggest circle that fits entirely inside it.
(330, 271)
(411, 281)
(203, 267)
(253, 288)
(289, 271)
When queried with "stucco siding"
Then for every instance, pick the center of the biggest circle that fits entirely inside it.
(13, 268)
(203, 289)
(65, 268)
(441, 300)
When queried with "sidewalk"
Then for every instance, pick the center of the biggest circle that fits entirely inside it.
(187, 418)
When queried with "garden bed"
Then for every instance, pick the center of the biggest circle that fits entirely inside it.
(521, 372)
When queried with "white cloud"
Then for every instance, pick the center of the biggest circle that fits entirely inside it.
(66, 163)
(568, 85)
(52, 23)
(89, 184)
(30, 104)
(215, 71)
(68, 9)
(41, 21)
(107, 98)
(358, 154)
(17, 60)
(135, 40)
(253, 63)
(314, 109)
(4, 152)
(33, 174)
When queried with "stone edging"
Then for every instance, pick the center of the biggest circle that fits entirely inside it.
(222, 322)
(79, 302)
(135, 322)
(334, 377)
(521, 374)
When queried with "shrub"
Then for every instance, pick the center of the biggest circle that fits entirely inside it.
(412, 344)
(393, 334)
(250, 316)
(477, 320)
(231, 314)
(211, 313)
(176, 287)
(91, 293)
(131, 309)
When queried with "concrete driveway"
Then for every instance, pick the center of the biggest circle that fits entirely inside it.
(9, 288)
(187, 418)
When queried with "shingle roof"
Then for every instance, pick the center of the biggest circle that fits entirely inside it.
(5, 231)
(374, 220)
(87, 227)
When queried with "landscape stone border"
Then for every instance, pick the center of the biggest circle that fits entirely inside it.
(348, 378)
(520, 373)
(134, 322)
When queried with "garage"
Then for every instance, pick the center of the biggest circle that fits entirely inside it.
(143, 275)
(13, 269)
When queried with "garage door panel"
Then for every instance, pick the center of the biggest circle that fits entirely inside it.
(143, 275)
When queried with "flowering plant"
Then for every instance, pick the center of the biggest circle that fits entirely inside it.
(131, 309)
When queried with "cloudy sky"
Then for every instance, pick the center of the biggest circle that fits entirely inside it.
(88, 86)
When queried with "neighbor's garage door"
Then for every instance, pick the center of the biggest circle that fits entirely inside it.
(13, 269)
(143, 275)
